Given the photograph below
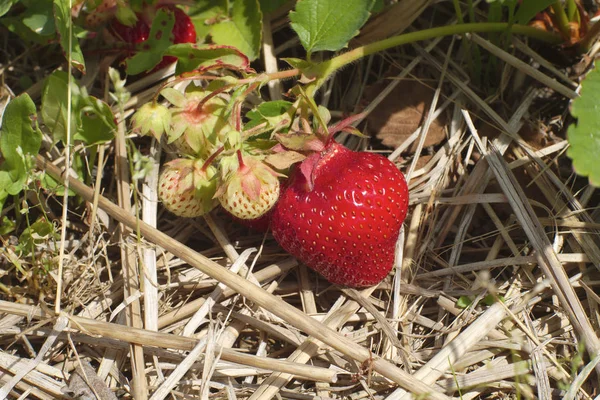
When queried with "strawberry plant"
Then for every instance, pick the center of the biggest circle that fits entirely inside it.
(154, 125)
(248, 159)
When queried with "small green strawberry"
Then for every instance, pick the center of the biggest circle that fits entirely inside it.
(250, 190)
(152, 118)
(187, 188)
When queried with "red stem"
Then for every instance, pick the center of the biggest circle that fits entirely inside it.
(240, 159)
(211, 95)
(212, 157)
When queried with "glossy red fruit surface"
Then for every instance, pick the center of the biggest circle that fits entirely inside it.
(131, 34)
(341, 214)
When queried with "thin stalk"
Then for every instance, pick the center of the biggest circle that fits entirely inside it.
(572, 11)
(323, 70)
(262, 78)
(210, 159)
(589, 39)
(561, 18)
(458, 11)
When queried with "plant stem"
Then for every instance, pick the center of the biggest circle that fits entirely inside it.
(323, 70)
(590, 38)
(561, 18)
(210, 159)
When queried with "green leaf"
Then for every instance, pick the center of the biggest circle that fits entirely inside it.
(92, 120)
(158, 41)
(584, 136)
(94, 130)
(329, 24)
(126, 15)
(206, 13)
(192, 57)
(6, 224)
(463, 302)
(378, 6)
(18, 136)
(37, 233)
(54, 106)
(243, 30)
(528, 9)
(268, 6)
(298, 63)
(5, 5)
(16, 26)
(272, 112)
(20, 140)
(68, 40)
(5, 181)
(490, 299)
(40, 18)
(97, 121)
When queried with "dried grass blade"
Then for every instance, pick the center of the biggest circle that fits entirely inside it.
(264, 299)
(547, 258)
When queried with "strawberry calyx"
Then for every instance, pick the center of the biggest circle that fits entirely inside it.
(152, 118)
(313, 163)
(194, 130)
(249, 188)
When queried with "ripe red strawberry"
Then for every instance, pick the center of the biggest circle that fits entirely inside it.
(135, 34)
(186, 189)
(341, 214)
(183, 31)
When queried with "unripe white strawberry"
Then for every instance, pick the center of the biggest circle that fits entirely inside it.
(187, 190)
(249, 191)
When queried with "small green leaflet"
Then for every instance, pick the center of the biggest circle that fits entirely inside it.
(158, 41)
(92, 120)
(62, 21)
(271, 112)
(584, 136)
(18, 131)
(268, 6)
(20, 139)
(243, 30)
(40, 19)
(54, 106)
(206, 13)
(35, 234)
(528, 9)
(192, 57)
(329, 24)
(5, 5)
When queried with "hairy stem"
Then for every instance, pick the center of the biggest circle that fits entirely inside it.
(212, 157)
(323, 70)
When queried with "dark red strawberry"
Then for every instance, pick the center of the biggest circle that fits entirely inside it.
(183, 31)
(341, 214)
(131, 34)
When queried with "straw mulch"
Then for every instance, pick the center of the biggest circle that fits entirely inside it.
(495, 294)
